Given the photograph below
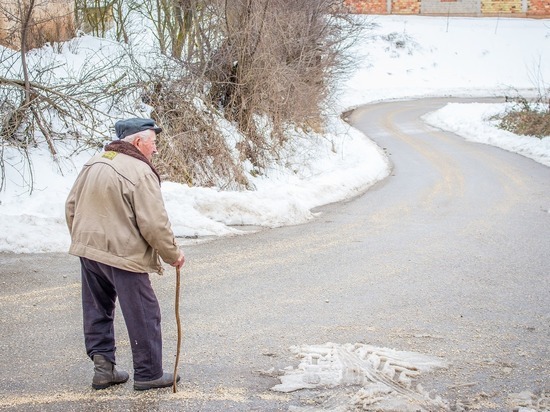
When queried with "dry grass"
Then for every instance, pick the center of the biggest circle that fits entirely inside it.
(528, 119)
(191, 149)
(276, 61)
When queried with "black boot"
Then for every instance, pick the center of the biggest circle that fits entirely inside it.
(167, 379)
(106, 373)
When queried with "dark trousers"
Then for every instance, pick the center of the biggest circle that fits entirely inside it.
(101, 285)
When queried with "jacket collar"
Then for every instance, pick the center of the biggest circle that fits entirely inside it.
(130, 150)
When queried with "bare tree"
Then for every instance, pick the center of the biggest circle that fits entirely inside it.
(276, 60)
(95, 16)
(182, 27)
(25, 21)
(35, 104)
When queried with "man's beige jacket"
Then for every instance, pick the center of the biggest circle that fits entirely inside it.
(116, 215)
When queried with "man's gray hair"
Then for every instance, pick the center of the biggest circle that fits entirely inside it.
(142, 135)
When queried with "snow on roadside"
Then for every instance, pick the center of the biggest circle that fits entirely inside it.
(473, 122)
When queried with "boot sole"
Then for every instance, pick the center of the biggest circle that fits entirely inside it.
(106, 385)
(146, 388)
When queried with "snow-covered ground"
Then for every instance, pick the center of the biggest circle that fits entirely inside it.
(403, 57)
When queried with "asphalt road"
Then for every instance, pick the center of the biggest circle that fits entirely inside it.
(449, 256)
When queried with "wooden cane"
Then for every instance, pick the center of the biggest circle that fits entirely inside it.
(178, 323)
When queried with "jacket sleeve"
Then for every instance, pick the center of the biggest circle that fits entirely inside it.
(70, 203)
(69, 208)
(152, 219)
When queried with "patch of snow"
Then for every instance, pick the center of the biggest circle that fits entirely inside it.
(385, 377)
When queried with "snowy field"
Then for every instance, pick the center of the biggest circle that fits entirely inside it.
(403, 57)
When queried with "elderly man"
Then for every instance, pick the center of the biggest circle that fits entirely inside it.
(119, 228)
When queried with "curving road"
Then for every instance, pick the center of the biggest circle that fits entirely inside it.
(449, 256)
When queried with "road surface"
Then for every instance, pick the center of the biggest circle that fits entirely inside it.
(448, 257)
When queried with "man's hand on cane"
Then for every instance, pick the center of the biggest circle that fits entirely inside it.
(179, 263)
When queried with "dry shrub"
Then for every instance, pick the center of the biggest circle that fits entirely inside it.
(191, 149)
(276, 60)
(525, 118)
(267, 65)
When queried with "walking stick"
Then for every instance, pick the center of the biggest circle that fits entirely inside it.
(178, 323)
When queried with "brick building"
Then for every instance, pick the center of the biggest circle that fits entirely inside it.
(519, 8)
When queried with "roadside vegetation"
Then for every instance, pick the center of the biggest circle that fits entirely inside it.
(263, 67)
(529, 118)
